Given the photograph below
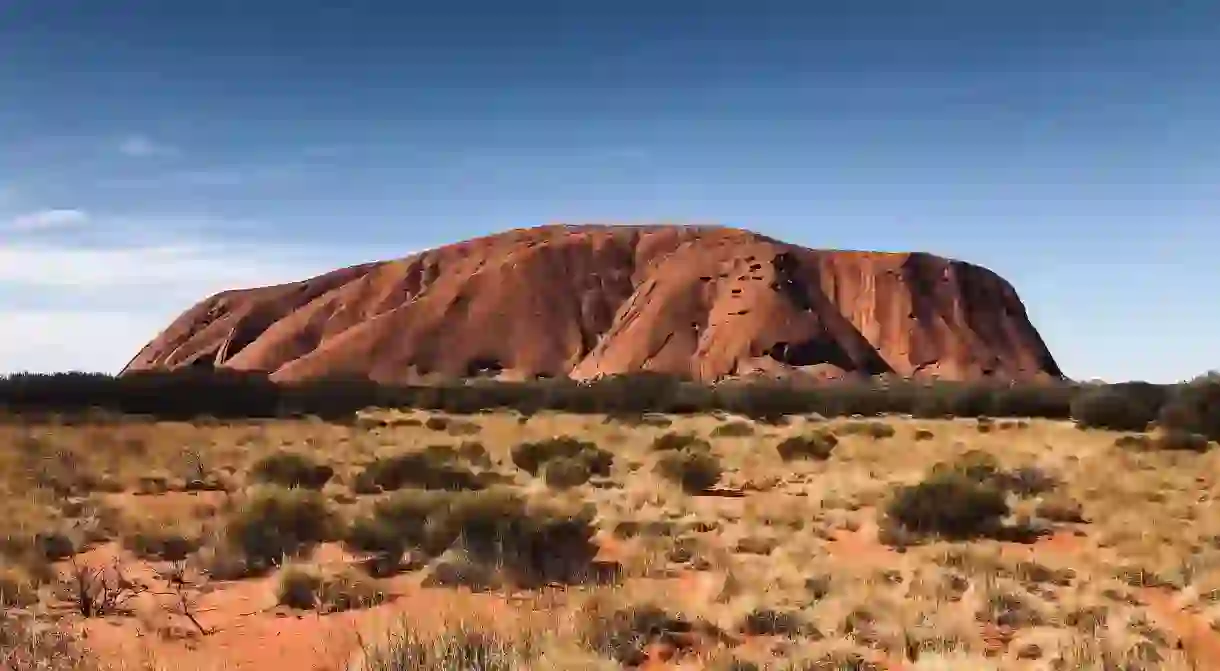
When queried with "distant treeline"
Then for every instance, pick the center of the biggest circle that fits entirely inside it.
(190, 394)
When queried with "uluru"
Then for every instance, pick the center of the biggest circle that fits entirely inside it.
(702, 302)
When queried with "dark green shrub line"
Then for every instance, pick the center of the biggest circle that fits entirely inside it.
(1194, 409)
(231, 394)
(1130, 406)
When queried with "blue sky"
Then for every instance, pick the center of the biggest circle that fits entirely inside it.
(154, 152)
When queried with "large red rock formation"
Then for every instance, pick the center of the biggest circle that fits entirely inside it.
(584, 301)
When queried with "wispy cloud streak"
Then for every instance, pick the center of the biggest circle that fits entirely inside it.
(142, 146)
(44, 220)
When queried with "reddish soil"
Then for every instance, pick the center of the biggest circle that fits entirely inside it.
(249, 632)
(1196, 636)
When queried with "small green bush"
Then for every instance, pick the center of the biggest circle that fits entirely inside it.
(1060, 508)
(168, 542)
(309, 588)
(565, 472)
(291, 469)
(396, 523)
(528, 543)
(983, 468)
(948, 504)
(348, 590)
(874, 429)
(626, 633)
(474, 453)
(976, 465)
(273, 523)
(695, 471)
(673, 442)
(55, 545)
(297, 587)
(768, 622)
(435, 467)
(817, 445)
(531, 457)
(435, 423)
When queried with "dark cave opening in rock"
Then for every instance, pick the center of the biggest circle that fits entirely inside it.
(484, 367)
(810, 353)
(204, 363)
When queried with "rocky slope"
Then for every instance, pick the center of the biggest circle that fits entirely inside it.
(584, 301)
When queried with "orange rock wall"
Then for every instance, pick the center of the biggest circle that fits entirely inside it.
(584, 301)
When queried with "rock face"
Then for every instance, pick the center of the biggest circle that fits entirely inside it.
(586, 301)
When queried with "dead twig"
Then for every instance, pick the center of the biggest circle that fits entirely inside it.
(99, 591)
(185, 592)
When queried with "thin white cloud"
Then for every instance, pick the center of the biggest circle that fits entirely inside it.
(154, 268)
(43, 220)
(92, 307)
(44, 341)
(141, 146)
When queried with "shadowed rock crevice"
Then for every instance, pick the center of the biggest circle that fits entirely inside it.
(838, 343)
(926, 279)
(484, 367)
(588, 301)
(810, 353)
(203, 362)
(788, 282)
(248, 328)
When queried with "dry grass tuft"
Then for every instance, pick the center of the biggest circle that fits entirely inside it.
(310, 587)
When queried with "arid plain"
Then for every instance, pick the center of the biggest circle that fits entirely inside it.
(707, 541)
